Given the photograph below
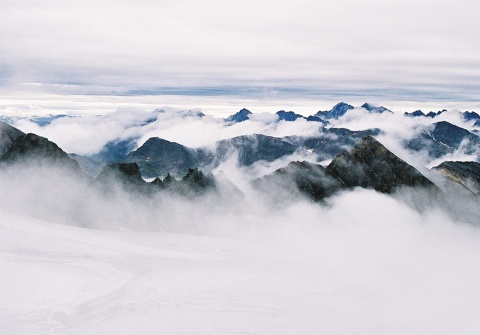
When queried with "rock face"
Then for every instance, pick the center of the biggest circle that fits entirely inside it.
(333, 141)
(114, 151)
(314, 118)
(309, 179)
(468, 116)
(253, 148)
(466, 174)
(288, 116)
(374, 109)
(31, 147)
(415, 114)
(370, 165)
(442, 138)
(126, 173)
(240, 116)
(8, 135)
(157, 157)
(337, 111)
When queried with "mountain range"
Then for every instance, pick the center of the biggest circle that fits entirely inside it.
(337, 159)
(357, 160)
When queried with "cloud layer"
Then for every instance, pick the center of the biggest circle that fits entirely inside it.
(414, 51)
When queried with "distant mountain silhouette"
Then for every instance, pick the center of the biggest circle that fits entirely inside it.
(240, 116)
(337, 111)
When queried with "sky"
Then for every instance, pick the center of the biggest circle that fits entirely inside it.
(91, 57)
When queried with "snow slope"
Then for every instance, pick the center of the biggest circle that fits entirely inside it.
(318, 274)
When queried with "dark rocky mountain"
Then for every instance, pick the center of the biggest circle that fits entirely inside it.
(37, 149)
(466, 174)
(195, 182)
(337, 111)
(313, 118)
(129, 177)
(370, 165)
(310, 180)
(333, 141)
(442, 138)
(127, 174)
(420, 113)
(8, 135)
(288, 116)
(415, 114)
(434, 114)
(114, 151)
(157, 157)
(253, 148)
(374, 109)
(469, 116)
(240, 116)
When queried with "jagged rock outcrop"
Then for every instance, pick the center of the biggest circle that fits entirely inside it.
(126, 173)
(415, 114)
(466, 174)
(370, 165)
(194, 183)
(8, 135)
(33, 148)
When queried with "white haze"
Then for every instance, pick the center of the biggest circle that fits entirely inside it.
(363, 262)
(76, 259)
(88, 134)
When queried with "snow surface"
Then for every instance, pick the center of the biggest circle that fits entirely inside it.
(358, 277)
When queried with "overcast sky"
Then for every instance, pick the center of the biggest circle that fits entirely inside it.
(202, 52)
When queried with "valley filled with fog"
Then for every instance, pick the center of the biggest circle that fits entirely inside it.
(351, 220)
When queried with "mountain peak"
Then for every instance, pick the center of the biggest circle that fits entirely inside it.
(370, 165)
(288, 116)
(337, 111)
(240, 116)
(33, 147)
(374, 109)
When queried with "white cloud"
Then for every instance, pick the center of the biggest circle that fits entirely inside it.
(397, 50)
